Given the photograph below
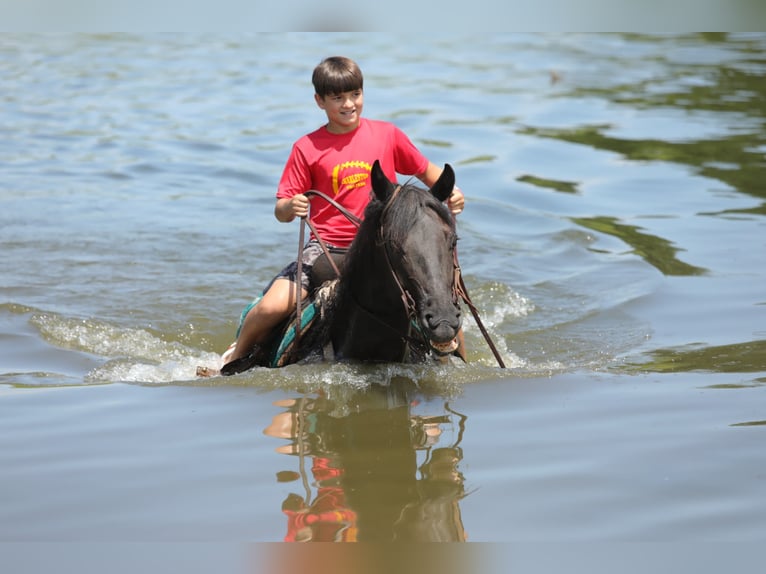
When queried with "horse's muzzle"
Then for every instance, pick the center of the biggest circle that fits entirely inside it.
(441, 325)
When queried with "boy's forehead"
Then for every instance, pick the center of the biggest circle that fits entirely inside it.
(343, 93)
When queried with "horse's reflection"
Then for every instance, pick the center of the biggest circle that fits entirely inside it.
(363, 455)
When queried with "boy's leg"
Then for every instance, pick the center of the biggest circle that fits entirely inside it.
(275, 306)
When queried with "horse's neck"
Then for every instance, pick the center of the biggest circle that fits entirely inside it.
(375, 289)
(373, 322)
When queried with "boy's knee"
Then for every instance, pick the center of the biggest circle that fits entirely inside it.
(267, 308)
(277, 303)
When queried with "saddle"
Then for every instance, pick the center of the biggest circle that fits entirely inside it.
(314, 330)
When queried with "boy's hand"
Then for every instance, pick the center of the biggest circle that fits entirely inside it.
(456, 201)
(299, 205)
(287, 209)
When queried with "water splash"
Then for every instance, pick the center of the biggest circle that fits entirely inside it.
(132, 355)
(139, 355)
(498, 306)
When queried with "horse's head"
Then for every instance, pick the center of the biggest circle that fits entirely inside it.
(418, 234)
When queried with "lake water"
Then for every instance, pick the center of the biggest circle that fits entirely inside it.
(614, 241)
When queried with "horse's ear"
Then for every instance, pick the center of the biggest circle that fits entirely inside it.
(381, 185)
(444, 185)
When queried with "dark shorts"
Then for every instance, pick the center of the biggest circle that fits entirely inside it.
(311, 252)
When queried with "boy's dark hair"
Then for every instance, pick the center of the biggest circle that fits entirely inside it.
(336, 75)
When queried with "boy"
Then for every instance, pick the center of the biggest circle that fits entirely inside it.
(335, 159)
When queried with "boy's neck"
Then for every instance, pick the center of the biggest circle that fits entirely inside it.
(340, 130)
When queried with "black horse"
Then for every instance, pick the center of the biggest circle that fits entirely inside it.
(397, 299)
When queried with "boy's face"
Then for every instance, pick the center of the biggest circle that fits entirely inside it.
(344, 110)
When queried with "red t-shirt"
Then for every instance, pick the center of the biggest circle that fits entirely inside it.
(339, 166)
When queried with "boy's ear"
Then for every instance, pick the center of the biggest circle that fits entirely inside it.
(319, 100)
(445, 184)
(381, 185)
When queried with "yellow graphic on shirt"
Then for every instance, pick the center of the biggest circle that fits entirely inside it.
(360, 173)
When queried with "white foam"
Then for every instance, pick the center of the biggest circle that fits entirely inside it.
(133, 355)
(167, 370)
(138, 355)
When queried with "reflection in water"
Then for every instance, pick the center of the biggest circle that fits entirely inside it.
(735, 87)
(654, 250)
(362, 457)
(561, 186)
(747, 357)
(711, 157)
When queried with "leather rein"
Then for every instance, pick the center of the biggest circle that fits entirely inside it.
(458, 285)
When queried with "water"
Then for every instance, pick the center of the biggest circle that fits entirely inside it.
(614, 241)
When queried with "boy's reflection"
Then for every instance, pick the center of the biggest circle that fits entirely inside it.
(365, 470)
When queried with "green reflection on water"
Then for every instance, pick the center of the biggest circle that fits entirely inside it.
(562, 186)
(735, 87)
(747, 357)
(479, 159)
(654, 250)
(740, 151)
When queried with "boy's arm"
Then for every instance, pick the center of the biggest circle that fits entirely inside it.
(456, 201)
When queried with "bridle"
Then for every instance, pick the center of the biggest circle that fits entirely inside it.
(408, 301)
(459, 290)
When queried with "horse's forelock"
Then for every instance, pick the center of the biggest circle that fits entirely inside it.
(405, 208)
(392, 222)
